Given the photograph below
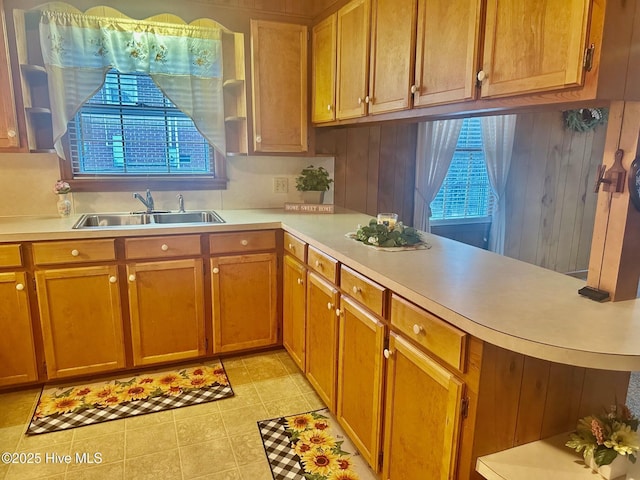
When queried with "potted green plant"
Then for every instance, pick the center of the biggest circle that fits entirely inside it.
(313, 182)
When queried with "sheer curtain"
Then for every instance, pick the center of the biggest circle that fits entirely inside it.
(436, 144)
(184, 61)
(497, 141)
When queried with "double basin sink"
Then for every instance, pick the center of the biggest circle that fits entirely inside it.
(106, 220)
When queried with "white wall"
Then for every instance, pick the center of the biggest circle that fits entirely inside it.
(26, 182)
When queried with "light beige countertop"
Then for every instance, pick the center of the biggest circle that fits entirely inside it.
(500, 300)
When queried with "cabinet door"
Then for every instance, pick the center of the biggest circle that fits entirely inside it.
(166, 307)
(244, 301)
(393, 35)
(17, 352)
(279, 79)
(421, 397)
(294, 280)
(8, 123)
(360, 375)
(322, 338)
(323, 67)
(353, 59)
(533, 46)
(446, 51)
(81, 320)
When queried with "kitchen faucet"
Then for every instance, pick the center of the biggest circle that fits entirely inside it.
(180, 203)
(148, 202)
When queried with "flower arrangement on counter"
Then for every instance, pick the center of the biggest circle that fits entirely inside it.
(604, 437)
(61, 187)
(382, 235)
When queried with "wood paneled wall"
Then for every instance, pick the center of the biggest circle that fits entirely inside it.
(550, 199)
(374, 167)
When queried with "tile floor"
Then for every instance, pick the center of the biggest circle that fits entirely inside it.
(212, 441)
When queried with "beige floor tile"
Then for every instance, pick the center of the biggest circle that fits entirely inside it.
(16, 408)
(315, 402)
(287, 406)
(149, 419)
(233, 474)
(289, 364)
(238, 375)
(33, 442)
(262, 368)
(207, 458)
(161, 465)
(3, 470)
(247, 447)
(51, 463)
(256, 471)
(151, 439)
(196, 410)
(110, 449)
(200, 429)
(103, 428)
(232, 362)
(243, 396)
(243, 420)
(276, 388)
(108, 471)
(10, 437)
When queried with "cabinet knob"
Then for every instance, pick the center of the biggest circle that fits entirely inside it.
(292, 247)
(367, 99)
(387, 353)
(19, 287)
(132, 278)
(359, 100)
(258, 139)
(356, 290)
(481, 75)
(75, 253)
(164, 247)
(318, 263)
(418, 329)
(244, 243)
(11, 133)
(330, 307)
(300, 281)
(216, 270)
(113, 279)
(414, 89)
(339, 312)
(329, 107)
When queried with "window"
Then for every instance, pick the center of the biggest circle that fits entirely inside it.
(130, 127)
(466, 192)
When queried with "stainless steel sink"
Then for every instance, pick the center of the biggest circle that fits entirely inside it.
(111, 220)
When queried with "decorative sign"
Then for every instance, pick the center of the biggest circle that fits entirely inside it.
(309, 207)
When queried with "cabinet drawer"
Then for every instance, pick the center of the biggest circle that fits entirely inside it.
(295, 246)
(74, 251)
(162, 247)
(365, 291)
(433, 333)
(10, 256)
(323, 264)
(242, 241)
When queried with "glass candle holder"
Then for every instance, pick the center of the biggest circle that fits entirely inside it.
(388, 219)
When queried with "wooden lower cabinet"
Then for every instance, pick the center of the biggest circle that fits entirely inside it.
(166, 308)
(294, 297)
(81, 320)
(423, 416)
(244, 296)
(17, 351)
(360, 378)
(322, 338)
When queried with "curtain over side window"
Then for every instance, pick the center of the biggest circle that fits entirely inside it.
(184, 61)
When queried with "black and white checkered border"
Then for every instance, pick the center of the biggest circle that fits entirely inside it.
(90, 416)
(284, 463)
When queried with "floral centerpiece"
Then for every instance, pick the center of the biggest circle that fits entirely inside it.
(382, 235)
(604, 437)
(61, 187)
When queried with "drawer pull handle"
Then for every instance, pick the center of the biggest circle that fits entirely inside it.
(356, 290)
(164, 247)
(387, 353)
(300, 281)
(132, 278)
(75, 253)
(19, 287)
(113, 279)
(330, 307)
(418, 329)
(244, 243)
(216, 270)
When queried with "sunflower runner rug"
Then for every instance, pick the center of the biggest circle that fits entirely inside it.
(61, 408)
(311, 446)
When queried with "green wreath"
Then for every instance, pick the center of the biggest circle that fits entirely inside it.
(585, 119)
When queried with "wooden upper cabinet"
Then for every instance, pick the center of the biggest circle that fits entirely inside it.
(353, 59)
(323, 68)
(8, 123)
(393, 34)
(446, 51)
(279, 81)
(533, 46)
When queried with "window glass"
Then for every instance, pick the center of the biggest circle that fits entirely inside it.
(465, 192)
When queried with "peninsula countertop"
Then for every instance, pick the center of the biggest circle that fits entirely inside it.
(503, 301)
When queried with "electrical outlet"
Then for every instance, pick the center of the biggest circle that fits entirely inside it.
(280, 185)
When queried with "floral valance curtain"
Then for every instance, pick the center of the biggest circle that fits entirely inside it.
(184, 61)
